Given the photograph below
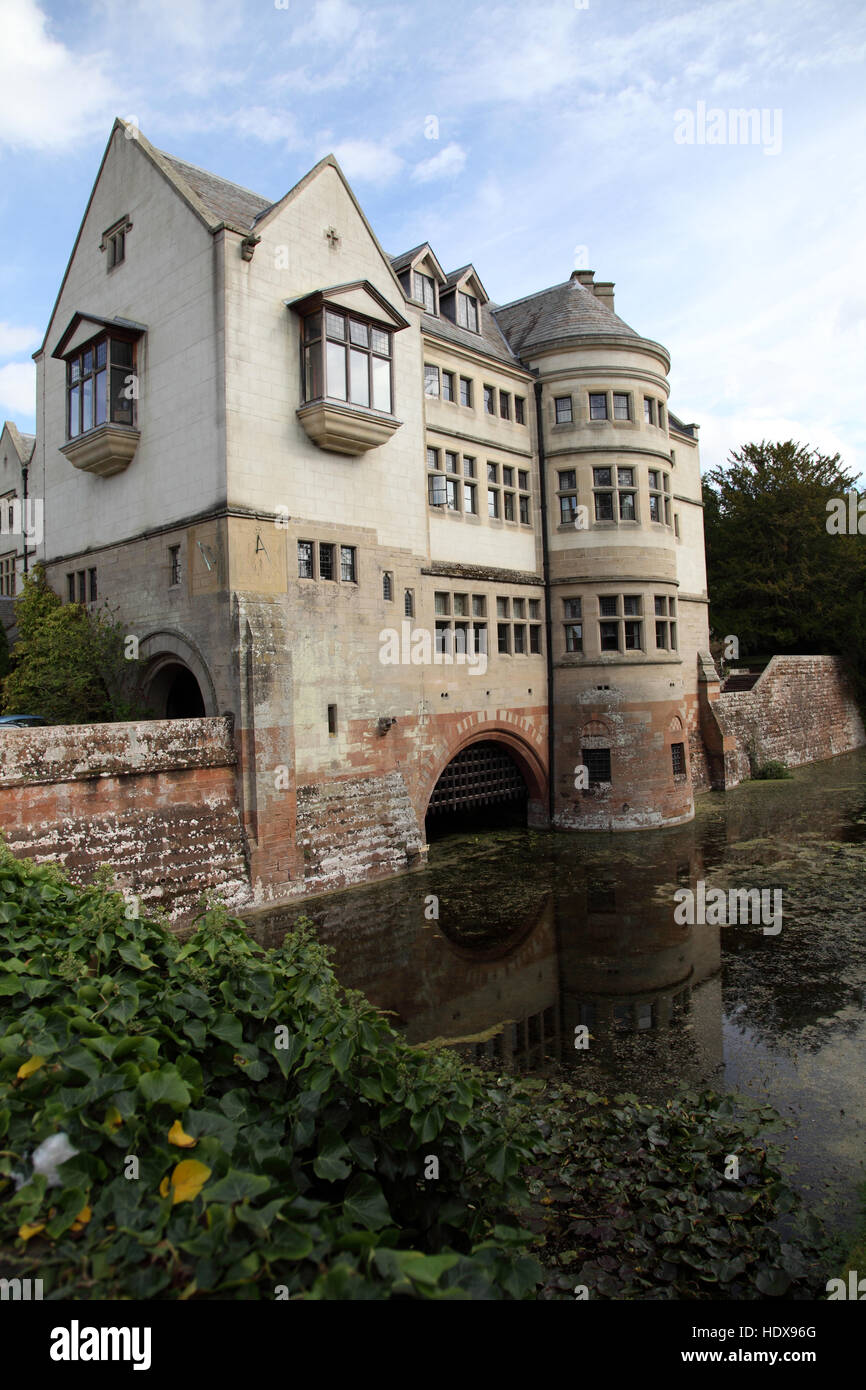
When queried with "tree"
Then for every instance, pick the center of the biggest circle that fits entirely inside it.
(777, 578)
(68, 664)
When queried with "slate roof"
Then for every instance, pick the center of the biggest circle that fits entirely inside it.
(400, 263)
(489, 340)
(24, 443)
(569, 310)
(677, 424)
(222, 200)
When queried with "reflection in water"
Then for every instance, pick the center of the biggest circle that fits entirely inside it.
(539, 935)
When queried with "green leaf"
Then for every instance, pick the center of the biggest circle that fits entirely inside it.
(365, 1203)
(237, 1186)
(165, 1086)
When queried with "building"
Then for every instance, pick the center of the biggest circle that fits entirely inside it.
(19, 532)
(429, 552)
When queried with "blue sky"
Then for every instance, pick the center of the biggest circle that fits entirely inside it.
(555, 125)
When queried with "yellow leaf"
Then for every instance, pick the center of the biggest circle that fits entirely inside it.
(25, 1231)
(82, 1219)
(113, 1117)
(188, 1179)
(177, 1135)
(163, 1187)
(30, 1066)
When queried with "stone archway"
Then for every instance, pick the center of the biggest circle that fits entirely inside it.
(489, 769)
(176, 681)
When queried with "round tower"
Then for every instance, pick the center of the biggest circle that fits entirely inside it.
(620, 706)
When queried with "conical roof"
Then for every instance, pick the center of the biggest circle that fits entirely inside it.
(569, 310)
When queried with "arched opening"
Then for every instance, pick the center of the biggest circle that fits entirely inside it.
(482, 787)
(174, 693)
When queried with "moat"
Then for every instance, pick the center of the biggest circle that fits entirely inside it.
(539, 933)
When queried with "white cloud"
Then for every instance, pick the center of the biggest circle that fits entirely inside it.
(51, 96)
(14, 339)
(18, 389)
(367, 161)
(332, 21)
(447, 164)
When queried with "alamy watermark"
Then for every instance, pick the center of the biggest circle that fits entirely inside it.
(739, 906)
(736, 126)
(419, 647)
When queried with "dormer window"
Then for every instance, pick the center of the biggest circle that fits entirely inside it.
(114, 243)
(350, 361)
(467, 311)
(424, 291)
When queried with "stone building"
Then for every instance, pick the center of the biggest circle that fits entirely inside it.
(20, 524)
(429, 552)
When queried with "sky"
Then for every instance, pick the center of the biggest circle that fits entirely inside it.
(529, 138)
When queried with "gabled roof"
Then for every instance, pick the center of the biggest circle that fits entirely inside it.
(222, 200)
(80, 317)
(569, 310)
(347, 295)
(408, 258)
(23, 444)
(466, 272)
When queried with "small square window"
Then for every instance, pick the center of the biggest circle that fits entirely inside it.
(598, 407)
(572, 607)
(447, 386)
(502, 608)
(520, 410)
(489, 400)
(620, 406)
(465, 391)
(441, 603)
(468, 467)
(523, 479)
(461, 605)
(631, 605)
(574, 637)
(562, 406)
(609, 636)
(567, 480)
(504, 405)
(479, 606)
(607, 605)
(602, 477)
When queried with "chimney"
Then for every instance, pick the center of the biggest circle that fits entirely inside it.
(603, 290)
(584, 276)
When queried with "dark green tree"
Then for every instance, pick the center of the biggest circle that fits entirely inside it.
(68, 664)
(778, 579)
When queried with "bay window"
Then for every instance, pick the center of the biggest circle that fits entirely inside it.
(347, 358)
(100, 385)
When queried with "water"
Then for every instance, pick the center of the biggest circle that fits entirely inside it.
(539, 933)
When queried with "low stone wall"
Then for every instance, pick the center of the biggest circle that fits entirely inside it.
(356, 829)
(801, 710)
(157, 801)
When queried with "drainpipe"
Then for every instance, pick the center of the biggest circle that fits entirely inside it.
(545, 570)
(24, 473)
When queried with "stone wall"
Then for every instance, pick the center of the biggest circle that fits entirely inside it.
(156, 800)
(801, 710)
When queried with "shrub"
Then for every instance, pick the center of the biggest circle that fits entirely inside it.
(68, 663)
(772, 771)
(276, 1128)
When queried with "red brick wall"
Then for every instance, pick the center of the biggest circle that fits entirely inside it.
(800, 711)
(157, 801)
